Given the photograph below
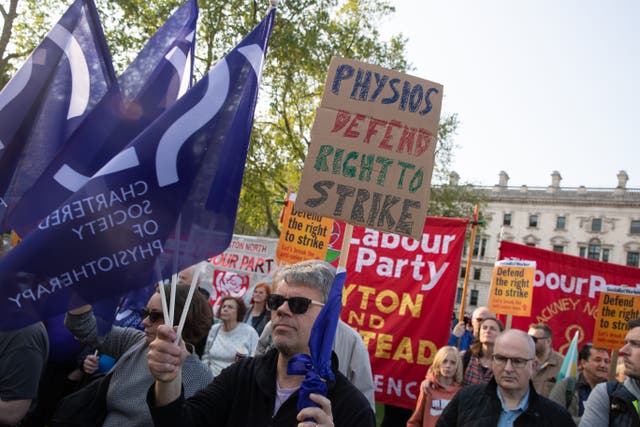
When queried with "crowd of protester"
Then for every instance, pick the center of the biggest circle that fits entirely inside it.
(486, 375)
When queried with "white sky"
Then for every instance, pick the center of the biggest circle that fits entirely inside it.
(538, 85)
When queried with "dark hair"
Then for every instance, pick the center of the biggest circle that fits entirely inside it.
(242, 309)
(635, 323)
(199, 318)
(543, 327)
(476, 346)
(585, 351)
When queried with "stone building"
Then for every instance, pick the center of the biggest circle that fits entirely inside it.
(597, 223)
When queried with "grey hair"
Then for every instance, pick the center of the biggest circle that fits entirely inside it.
(314, 273)
(510, 333)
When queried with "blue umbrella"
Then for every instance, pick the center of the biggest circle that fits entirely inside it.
(317, 367)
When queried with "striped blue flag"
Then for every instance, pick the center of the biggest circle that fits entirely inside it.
(128, 220)
(51, 94)
(159, 75)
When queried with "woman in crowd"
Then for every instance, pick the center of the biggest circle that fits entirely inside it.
(477, 360)
(443, 380)
(131, 379)
(258, 314)
(230, 339)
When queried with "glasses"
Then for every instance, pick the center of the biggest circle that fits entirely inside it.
(154, 316)
(516, 362)
(536, 339)
(297, 305)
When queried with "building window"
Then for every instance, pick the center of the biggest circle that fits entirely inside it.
(561, 222)
(463, 272)
(605, 255)
(533, 221)
(633, 259)
(596, 224)
(477, 272)
(558, 248)
(474, 297)
(635, 226)
(459, 296)
(480, 247)
(583, 251)
(506, 219)
(593, 251)
(532, 244)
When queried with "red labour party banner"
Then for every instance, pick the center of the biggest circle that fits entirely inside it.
(566, 290)
(399, 295)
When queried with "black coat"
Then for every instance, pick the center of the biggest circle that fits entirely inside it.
(479, 406)
(243, 395)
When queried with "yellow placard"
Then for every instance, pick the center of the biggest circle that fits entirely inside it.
(303, 236)
(512, 287)
(614, 310)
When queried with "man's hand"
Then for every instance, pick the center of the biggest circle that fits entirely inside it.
(165, 357)
(459, 329)
(322, 415)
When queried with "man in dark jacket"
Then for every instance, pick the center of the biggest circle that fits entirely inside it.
(509, 399)
(258, 391)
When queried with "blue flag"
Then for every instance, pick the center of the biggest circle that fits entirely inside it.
(59, 84)
(317, 367)
(110, 235)
(159, 75)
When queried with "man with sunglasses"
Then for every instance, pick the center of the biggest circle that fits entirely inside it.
(259, 391)
(509, 399)
(549, 360)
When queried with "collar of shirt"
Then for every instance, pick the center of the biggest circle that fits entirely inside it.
(508, 416)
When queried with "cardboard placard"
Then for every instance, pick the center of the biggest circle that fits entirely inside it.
(614, 310)
(372, 148)
(512, 287)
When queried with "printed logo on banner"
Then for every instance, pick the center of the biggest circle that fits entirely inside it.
(227, 283)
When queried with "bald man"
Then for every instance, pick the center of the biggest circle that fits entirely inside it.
(462, 336)
(509, 399)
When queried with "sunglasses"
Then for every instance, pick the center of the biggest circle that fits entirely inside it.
(297, 305)
(154, 316)
(535, 339)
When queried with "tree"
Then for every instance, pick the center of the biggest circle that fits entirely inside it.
(306, 34)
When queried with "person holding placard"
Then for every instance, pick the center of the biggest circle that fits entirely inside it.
(130, 378)
(461, 336)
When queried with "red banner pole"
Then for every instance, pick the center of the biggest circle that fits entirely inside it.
(472, 239)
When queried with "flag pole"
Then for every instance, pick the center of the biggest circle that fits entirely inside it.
(472, 239)
(346, 244)
(187, 303)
